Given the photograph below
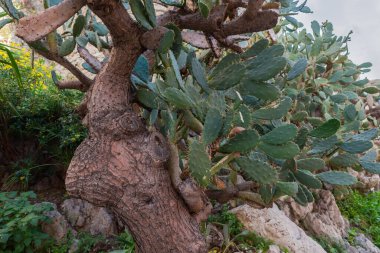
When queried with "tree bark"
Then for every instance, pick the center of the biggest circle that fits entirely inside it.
(122, 165)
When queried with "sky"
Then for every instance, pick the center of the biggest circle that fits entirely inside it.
(362, 17)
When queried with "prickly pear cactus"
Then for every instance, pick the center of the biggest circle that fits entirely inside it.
(287, 115)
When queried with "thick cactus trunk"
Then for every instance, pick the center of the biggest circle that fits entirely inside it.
(121, 165)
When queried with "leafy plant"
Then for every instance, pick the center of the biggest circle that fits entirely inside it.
(36, 112)
(20, 223)
(234, 233)
(87, 242)
(331, 247)
(126, 242)
(363, 212)
(229, 219)
(296, 102)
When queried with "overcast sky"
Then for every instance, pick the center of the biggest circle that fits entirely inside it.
(362, 17)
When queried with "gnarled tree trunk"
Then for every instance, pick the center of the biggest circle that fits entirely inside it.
(121, 164)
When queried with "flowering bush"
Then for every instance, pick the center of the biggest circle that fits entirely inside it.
(36, 110)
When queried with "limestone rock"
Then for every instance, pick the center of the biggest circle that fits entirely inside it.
(273, 224)
(84, 216)
(274, 249)
(326, 219)
(57, 227)
(293, 210)
(361, 245)
(321, 218)
(367, 181)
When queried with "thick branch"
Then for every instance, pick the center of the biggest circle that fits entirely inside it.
(74, 85)
(152, 38)
(36, 27)
(252, 20)
(245, 24)
(113, 14)
(68, 65)
(90, 59)
(225, 195)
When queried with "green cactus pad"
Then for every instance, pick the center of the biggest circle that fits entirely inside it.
(266, 69)
(230, 77)
(311, 164)
(242, 142)
(306, 178)
(286, 188)
(344, 160)
(297, 69)
(199, 163)
(212, 126)
(371, 167)
(274, 113)
(337, 178)
(258, 171)
(356, 147)
(327, 129)
(286, 151)
(177, 98)
(256, 49)
(280, 135)
(258, 89)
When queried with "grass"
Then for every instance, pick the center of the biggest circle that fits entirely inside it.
(363, 212)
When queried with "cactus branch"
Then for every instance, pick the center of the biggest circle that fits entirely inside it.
(89, 58)
(38, 26)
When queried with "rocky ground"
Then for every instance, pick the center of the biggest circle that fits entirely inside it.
(287, 224)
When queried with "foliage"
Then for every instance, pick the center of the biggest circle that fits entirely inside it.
(87, 242)
(363, 212)
(20, 223)
(126, 242)
(231, 111)
(36, 111)
(241, 105)
(286, 113)
(228, 219)
(234, 234)
(331, 247)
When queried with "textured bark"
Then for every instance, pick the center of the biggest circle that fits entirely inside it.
(121, 164)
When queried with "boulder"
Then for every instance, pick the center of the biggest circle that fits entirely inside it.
(58, 227)
(273, 224)
(293, 210)
(361, 245)
(274, 249)
(321, 218)
(326, 219)
(366, 181)
(84, 216)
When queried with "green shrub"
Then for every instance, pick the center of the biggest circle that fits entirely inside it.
(234, 233)
(126, 242)
(330, 247)
(363, 211)
(20, 222)
(37, 111)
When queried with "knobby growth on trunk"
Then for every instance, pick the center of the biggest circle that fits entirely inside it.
(122, 164)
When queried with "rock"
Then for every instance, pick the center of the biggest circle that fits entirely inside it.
(273, 224)
(293, 210)
(274, 249)
(361, 245)
(326, 220)
(367, 181)
(58, 226)
(321, 218)
(215, 237)
(84, 216)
